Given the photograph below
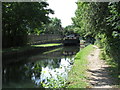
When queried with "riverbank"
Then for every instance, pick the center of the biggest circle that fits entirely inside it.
(48, 68)
(47, 45)
(24, 48)
(90, 71)
(16, 52)
(77, 76)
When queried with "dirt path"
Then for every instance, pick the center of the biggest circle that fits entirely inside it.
(98, 71)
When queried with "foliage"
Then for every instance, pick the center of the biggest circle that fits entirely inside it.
(79, 21)
(54, 27)
(101, 20)
(21, 18)
(70, 29)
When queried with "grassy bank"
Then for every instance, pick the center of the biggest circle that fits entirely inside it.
(12, 49)
(77, 75)
(47, 45)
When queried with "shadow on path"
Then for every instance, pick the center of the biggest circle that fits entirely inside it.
(100, 74)
(101, 77)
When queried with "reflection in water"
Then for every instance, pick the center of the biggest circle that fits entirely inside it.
(45, 72)
(54, 77)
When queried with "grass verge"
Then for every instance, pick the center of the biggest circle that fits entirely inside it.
(47, 45)
(77, 76)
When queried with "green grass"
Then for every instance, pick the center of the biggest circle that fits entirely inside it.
(77, 76)
(47, 45)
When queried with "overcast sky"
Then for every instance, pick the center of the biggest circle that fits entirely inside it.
(64, 10)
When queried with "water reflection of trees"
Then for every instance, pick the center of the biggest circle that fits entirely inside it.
(16, 72)
(20, 72)
(32, 71)
(55, 77)
(70, 50)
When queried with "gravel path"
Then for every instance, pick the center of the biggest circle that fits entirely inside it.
(98, 71)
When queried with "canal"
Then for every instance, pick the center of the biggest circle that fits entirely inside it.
(48, 69)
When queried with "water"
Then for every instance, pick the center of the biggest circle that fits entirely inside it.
(43, 70)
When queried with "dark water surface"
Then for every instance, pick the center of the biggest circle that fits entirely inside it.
(48, 69)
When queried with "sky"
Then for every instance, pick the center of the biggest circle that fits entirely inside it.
(64, 10)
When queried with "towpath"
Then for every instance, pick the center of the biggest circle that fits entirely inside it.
(98, 72)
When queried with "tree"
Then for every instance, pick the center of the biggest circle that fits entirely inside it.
(69, 30)
(54, 27)
(101, 20)
(21, 18)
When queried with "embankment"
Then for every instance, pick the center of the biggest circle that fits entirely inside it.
(77, 75)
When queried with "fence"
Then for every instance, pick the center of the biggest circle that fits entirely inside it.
(35, 39)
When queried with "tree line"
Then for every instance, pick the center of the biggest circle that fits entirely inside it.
(101, 21)
(20, 19)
